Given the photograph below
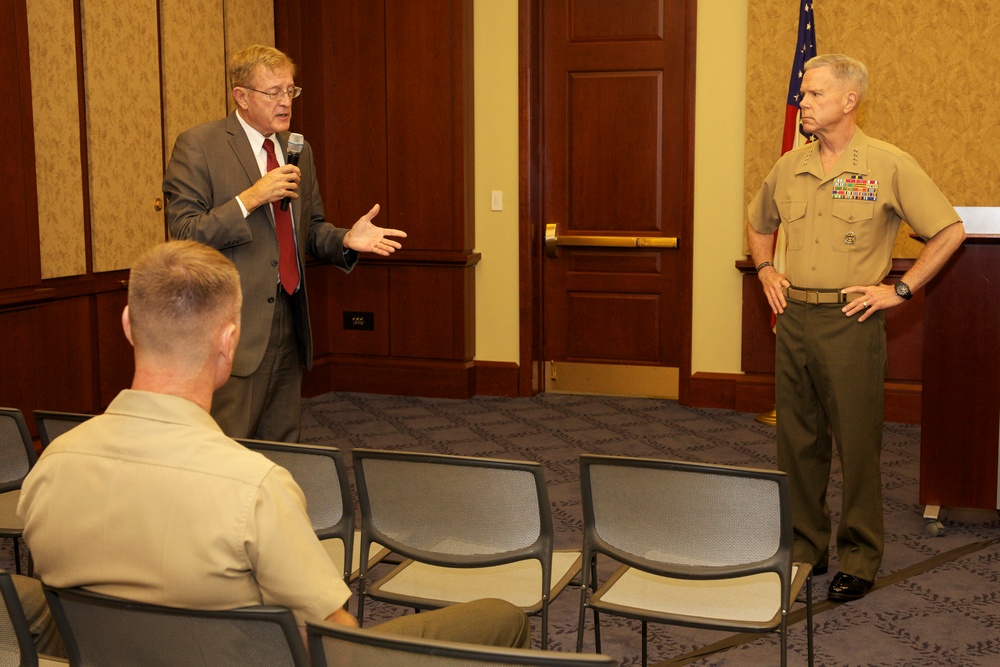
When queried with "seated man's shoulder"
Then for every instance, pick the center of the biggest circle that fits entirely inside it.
(130, 439)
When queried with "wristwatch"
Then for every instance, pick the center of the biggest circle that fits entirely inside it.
(903, 290)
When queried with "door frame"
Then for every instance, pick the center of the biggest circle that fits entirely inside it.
(531, 226)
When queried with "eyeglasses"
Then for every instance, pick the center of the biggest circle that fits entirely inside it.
(292, 93)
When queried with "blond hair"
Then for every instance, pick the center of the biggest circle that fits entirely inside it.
(179, 293)
(845, 69)
(244, 65)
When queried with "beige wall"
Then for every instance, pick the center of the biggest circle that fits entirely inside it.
(720, 89)
(495, 61)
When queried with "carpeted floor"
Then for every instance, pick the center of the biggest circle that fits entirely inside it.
(934, 603)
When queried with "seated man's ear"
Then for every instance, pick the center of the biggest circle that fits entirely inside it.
(127, 326)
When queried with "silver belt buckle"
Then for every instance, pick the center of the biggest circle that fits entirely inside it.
(812, 297)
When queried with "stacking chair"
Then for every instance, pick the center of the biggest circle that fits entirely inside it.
(339, 646)
(468, 528)
(697, 545)
(52, 424)
(17, 456)
(321, 473)
(16, 645)
(108, 632)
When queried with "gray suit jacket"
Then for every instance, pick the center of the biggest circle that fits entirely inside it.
(210, 165)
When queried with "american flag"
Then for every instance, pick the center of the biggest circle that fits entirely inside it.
(805, 48)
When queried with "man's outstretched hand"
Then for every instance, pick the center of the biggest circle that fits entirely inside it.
(366, 237)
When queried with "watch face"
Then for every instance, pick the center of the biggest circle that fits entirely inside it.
(903, 290)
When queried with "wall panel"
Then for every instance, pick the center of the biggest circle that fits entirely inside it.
(58, 160)
(193, 55)
(124, 131)
(18, 252)
(386, 106)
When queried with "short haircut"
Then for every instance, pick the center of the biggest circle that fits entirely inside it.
(179, 293)
(243, 65)
(845, 68)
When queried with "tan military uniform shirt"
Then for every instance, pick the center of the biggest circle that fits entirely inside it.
(152, 502)
(841, 226)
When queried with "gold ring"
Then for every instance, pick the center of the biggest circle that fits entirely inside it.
(865, 304)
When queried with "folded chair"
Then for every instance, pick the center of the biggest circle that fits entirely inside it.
(52, 424)
(468, 527)
(696, 545)
(17, 456)
(321, 473)
(339, 646)
(104, 631)
(16, 645)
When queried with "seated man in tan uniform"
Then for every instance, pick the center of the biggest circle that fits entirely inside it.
(152, 502)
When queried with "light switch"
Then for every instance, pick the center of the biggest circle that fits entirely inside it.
(496, 200)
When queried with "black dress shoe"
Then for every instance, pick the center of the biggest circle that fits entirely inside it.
(846, 587)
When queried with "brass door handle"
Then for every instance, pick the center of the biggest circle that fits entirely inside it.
(553, 241)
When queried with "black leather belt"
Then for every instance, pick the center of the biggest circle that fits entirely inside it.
(817, 296)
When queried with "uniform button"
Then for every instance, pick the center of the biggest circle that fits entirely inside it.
(816, 241)
(820, 214)
(270, 299)
(274, 262)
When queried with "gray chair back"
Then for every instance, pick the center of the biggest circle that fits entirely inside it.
(17, 456)
(17, 452)
(340, 646)
(455, 511)
(321, 473)
(51, 424)
(109, 632)
(689, 522)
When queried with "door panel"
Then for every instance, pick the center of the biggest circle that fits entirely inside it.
(616, 178)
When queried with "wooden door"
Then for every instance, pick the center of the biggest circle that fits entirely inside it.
(617, 136)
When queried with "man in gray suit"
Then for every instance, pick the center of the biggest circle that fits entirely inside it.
(223, 189)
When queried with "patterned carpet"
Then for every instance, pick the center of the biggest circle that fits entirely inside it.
(934, 603)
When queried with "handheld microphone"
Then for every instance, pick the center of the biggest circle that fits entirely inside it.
(295, 145)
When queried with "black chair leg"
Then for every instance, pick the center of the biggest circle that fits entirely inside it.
(645, 651)
(17, 555)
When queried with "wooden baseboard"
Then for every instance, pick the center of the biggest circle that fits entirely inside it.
(432, 378)
(497, 378)
(420, 377)
(752, 392)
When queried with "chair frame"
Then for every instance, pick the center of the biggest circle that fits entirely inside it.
(280, 616)
(18, 621)
(541, 549)
(14, 485)
(42, 416)
(343, 529)
(780, 563)
(29, 448)
(316, 631)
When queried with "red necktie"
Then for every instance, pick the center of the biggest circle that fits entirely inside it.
(288, 263)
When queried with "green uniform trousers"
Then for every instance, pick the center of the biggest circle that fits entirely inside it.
(829, 386)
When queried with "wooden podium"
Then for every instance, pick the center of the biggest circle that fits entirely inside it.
(960, 426)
